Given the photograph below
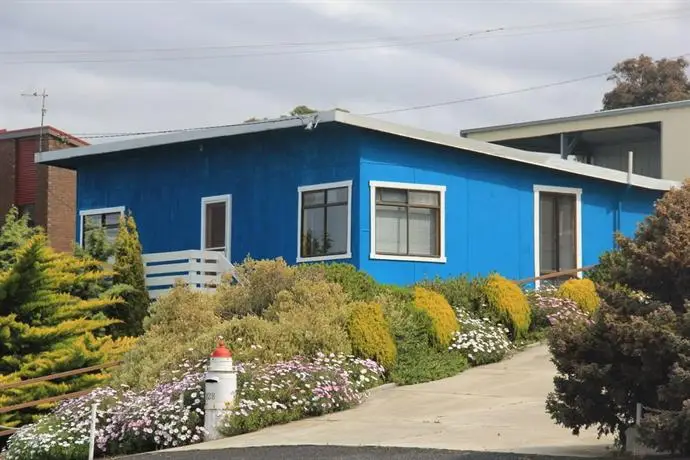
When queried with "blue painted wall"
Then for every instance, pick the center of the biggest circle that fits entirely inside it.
(489, 208)
(489, 202)
(163, 187)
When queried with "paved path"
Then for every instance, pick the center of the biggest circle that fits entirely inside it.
(499, 407)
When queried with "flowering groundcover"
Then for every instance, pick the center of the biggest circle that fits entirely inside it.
(171, 414)
(291, 390)
(483, 341)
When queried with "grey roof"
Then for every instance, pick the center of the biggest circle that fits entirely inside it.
(544, 160)
(586, 116)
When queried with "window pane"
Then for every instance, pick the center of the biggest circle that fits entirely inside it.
(313, 232)
(391, 229)
(391, 195)
(425, 198)
(313, 198)
(566, 232)
(112, 219)
(92, 221)
(548, 237)
(111, 233)
(337, 195)
(423, 232)
(336, 233)
(215, 226)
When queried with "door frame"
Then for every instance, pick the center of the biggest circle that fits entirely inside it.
(227, 199)
(538, 189)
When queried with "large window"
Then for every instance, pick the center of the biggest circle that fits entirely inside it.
(107, 219)
(408, 221)
(557, 230)
(324, 221)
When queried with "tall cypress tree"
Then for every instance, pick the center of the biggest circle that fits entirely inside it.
(45, 328)
(129, 271)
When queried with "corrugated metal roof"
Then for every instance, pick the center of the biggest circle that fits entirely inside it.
(545, 160)
(585, 116)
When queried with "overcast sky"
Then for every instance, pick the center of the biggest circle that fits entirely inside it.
(362, 56)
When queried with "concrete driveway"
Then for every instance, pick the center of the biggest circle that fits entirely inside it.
(498, 407)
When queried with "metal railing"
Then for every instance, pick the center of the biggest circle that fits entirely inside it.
(7, 431)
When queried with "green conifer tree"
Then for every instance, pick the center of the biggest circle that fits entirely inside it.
(129, 271)
(45, 329)
(14, 233)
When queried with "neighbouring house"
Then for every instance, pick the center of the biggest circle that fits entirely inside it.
(657, 134)
(401, 203)
(46, 193)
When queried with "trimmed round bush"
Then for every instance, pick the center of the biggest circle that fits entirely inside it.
(441, 313)
(509, 303)
(583, 292)
(370, 334)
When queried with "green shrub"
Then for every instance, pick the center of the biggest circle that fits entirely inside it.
(262, 280)
(419, 359)
(656, 260)
(360, 286)
(461, 292)
(610, 268)
(444, 322)
(509, 304)
(175, 321)
(370, 334)
(583, 292)
(635, 351)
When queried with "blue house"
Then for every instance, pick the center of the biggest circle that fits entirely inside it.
(401, 203)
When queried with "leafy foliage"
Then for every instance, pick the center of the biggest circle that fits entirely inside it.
(462, 292)
(370, 334)
(550, 309)
(606, 368)
(15, 232)
(582, 291)
(298, 388)
(643, 81)
(443, 320)
(129, 270)
(509, 304)
(419, 358)
(45, 329)
(359, 285)
(657, 259)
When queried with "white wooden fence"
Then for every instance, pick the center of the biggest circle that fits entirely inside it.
(195, 268)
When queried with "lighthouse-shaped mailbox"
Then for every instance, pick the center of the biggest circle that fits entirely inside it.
(221, 387)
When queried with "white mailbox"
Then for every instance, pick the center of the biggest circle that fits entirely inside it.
(221, 387)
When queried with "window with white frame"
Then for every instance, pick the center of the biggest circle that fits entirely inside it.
(407, 221)
(105, 219)
(324, 221)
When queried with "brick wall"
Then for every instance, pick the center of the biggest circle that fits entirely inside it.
(55, 206)
(60, 198)
(7, 176)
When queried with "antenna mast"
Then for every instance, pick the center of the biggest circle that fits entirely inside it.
(43, 96)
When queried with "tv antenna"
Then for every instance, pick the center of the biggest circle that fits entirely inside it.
(43, 96)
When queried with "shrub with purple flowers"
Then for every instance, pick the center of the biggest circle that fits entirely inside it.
(271, 394)
(169, 415)
(555, 309)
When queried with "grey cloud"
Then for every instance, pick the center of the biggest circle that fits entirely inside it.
(158, 94)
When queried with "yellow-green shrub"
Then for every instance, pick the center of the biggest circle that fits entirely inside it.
(506, 299)
(582, 291)
(370, 334)
(441, 313)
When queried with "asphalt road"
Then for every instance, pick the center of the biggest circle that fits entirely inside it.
(340, 453)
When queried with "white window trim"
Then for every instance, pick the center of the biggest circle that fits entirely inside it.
(578, 225)
(373, 185)
(328, 185)
(227, 199)
(93, 212)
